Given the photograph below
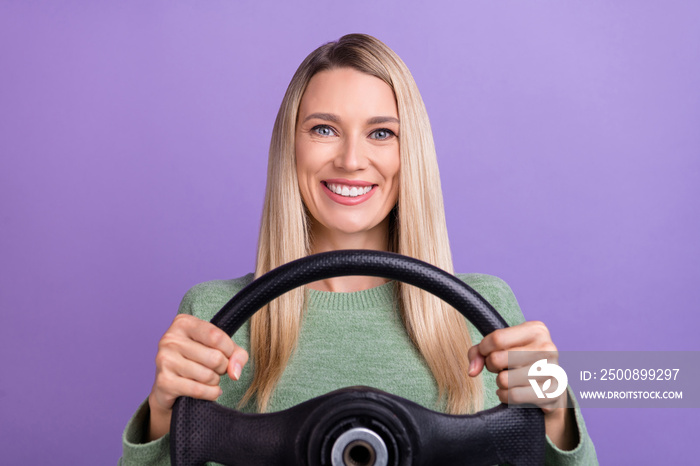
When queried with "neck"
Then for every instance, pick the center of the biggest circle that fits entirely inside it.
(324, 240)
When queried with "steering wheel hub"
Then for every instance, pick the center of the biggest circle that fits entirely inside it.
(357, 426)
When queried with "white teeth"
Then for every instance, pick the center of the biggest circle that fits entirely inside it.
(348, 191)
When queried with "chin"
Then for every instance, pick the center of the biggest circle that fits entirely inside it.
(351, 226)
(353, 229)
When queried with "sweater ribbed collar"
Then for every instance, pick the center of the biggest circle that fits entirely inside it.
(381, 296)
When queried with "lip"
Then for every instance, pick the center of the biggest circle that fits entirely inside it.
(349, 182)
(348, 201)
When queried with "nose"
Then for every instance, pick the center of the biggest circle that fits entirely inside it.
(351, 156)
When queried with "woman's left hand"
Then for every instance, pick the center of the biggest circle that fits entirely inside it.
(533, 338)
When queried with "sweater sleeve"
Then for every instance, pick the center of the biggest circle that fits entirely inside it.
(135, 451)
(202, 301)
(501, 297)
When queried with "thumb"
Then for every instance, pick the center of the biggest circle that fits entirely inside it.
(238, 359)
(476, 361)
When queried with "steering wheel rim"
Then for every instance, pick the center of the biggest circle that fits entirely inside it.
(342, 263)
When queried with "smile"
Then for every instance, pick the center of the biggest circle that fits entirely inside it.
(348, 193)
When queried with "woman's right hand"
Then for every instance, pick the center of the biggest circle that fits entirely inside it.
(192, 355)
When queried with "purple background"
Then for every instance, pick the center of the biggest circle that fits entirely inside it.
(133, 145)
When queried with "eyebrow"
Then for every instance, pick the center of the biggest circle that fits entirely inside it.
(323, 116)
(336, 119)
(382, 119)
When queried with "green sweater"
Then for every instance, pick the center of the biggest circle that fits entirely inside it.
(346, 339)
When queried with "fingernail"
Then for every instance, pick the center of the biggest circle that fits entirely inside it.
(221, 392)
(236, 371)
(472, 366)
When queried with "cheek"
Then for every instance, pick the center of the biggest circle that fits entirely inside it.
(307, 158)
(306, 168)
(304, 189)
(299, 157)
(395, 180)
(392, 170)
(302, 161)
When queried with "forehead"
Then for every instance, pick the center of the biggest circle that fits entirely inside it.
(348, 93)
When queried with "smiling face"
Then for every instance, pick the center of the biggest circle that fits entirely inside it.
(347, 158)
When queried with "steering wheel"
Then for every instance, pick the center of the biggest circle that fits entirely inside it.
(356, 426)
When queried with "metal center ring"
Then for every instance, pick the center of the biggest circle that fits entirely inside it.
(359, 447)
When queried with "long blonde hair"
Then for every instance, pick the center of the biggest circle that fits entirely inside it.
(418, 229)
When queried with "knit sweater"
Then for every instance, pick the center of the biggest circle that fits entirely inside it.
(346, 339)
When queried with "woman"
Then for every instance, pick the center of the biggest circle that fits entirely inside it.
(352, 165)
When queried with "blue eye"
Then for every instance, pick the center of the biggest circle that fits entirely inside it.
(323, 130)
(382, 134)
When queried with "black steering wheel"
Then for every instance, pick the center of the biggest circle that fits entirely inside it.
(357, 426)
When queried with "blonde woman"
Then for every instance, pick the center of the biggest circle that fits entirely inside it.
(352, 165)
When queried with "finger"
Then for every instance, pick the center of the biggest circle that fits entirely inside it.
(206, 333)
(526, 357)
(497, 361)
(511, 378)
(210, 358)
(174, 346)
(201, 391)
(191, 370)
(476, 361)
(238, 359)
(523, 335)
(522, 395)
(517, 358)
(168, 387)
